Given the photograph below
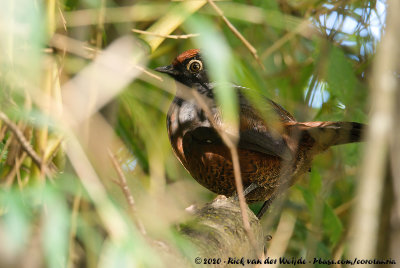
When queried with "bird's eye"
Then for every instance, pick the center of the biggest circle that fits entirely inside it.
(194, 66)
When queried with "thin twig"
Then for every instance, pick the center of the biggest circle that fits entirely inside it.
(237, 33)
(171, 21)
(172, 36)
(236, 166)
(63, 21)
(123, 182)
(26, 146)
(127, 192)
(140, 68)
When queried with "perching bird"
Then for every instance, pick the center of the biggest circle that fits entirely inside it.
(272, 157)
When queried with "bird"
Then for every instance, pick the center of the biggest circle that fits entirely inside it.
(272, 155)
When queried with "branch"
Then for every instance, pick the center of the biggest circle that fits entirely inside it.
(217, 231)
(182, 36)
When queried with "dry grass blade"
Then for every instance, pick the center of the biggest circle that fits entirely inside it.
(72, 46)
(171, 36)
(127, 192)
(103, 79)
(249, 46)
(85, 51)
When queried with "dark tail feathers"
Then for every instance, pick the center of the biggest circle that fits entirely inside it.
(326, 134)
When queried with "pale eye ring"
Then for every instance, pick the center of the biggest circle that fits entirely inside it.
(194, 66)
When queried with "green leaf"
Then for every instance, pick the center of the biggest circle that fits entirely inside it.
(332, 224)
(315, 181)
(56, 228)
(308, 196)
(340, 75)
(15, 222)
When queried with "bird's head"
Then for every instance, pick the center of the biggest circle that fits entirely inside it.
(188, 68)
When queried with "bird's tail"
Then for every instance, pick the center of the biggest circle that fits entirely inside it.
(326, 134)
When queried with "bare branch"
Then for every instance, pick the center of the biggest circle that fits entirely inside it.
(26, 146)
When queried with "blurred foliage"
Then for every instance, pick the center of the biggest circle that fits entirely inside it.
(315, 60)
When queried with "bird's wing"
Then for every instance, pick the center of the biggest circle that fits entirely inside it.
(254, 133)
(277, 109)
(281, 112)
(257, 135)
(263, 142)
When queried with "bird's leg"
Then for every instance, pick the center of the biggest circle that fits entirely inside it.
(264, 207)
(246, 191)
(250, 188)
(266, 204)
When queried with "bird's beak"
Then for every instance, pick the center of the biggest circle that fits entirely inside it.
(167, 70)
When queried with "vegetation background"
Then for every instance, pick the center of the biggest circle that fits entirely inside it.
(87, 175)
